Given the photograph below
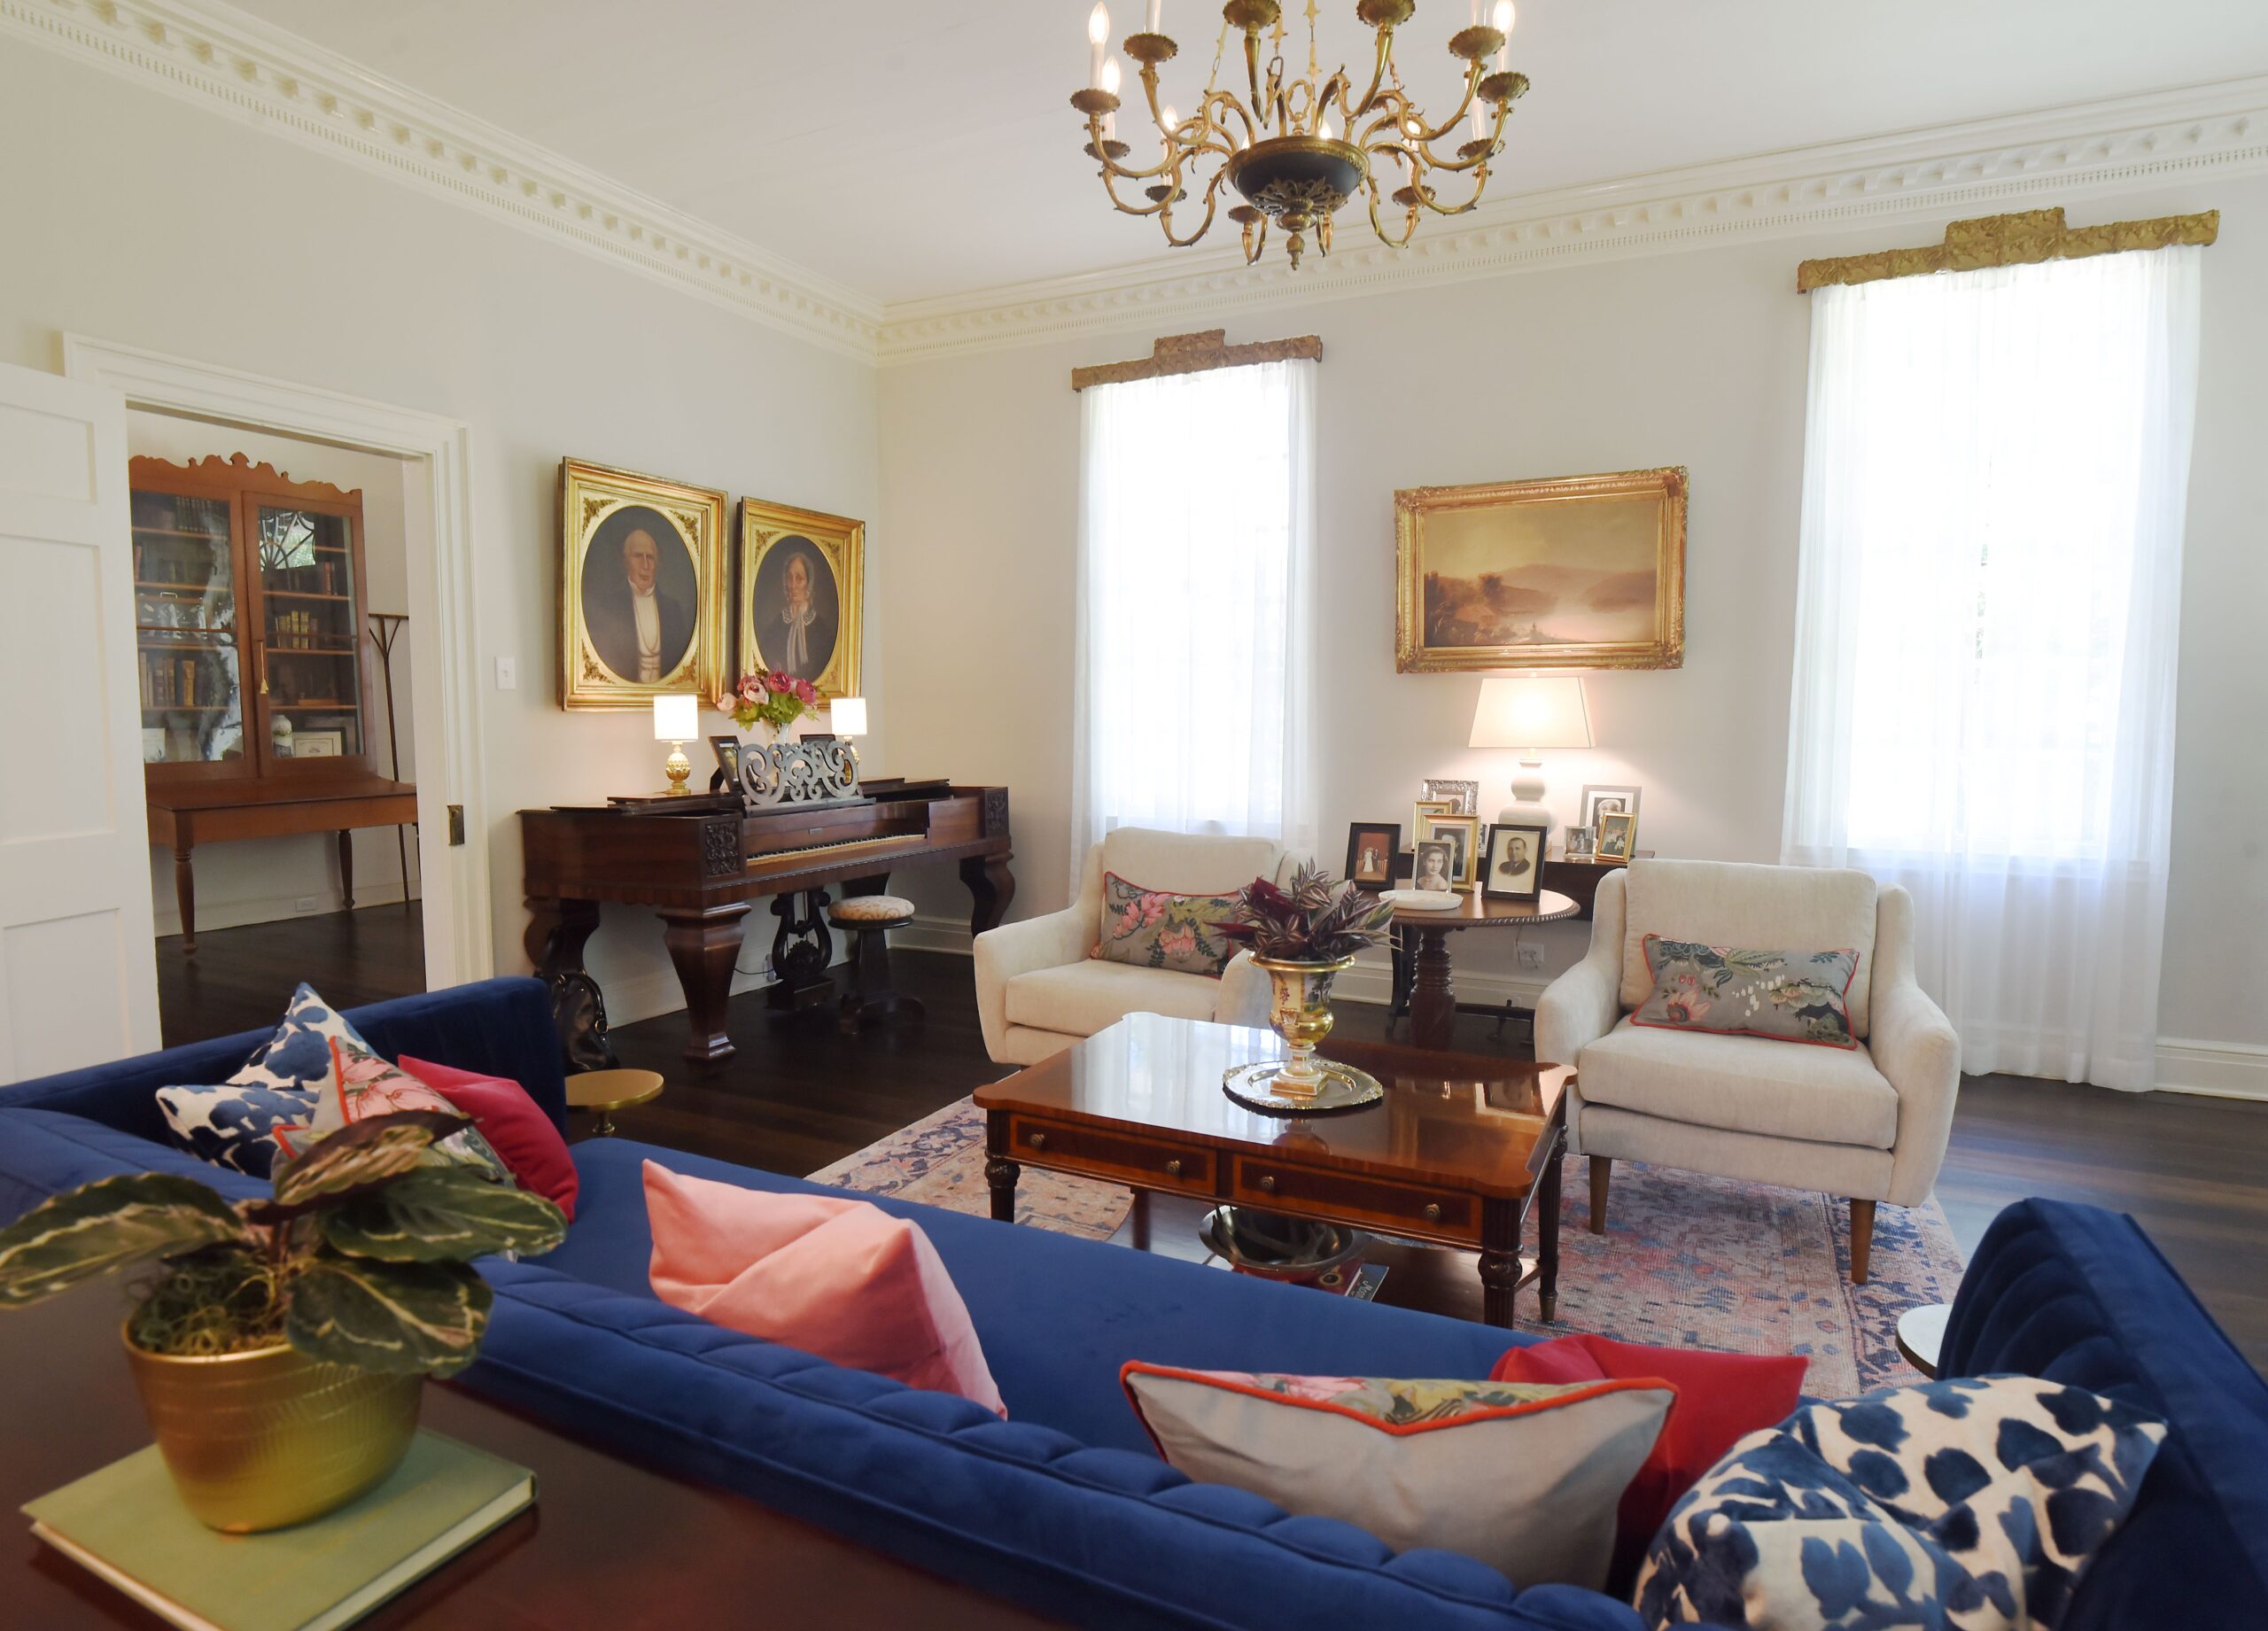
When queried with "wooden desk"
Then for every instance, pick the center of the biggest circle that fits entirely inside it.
(186, 815)
(609, 1543)
(1457, 1153)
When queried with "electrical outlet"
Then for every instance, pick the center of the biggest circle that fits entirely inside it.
(1531, 958)
(307, 902)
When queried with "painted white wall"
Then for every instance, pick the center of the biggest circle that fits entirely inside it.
(1696, 359)
(137, 218)
(262, 879)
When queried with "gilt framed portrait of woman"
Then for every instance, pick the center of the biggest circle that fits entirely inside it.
(801, 597)
(641, 587)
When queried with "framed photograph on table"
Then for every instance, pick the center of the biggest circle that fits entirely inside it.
(1605, 801)
(1513, 867)
(1618, 837)
(1578, 844)
(1425, 807)
(1434, 866)
(1461, 833)
(1371, 847)
(1462, 797)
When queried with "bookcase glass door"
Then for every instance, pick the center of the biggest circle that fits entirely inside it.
(311, 635)
(187, 633)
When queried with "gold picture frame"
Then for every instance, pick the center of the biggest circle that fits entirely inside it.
(1618, 838)
(676, 532)
(1465, 831)
(1595, 565)
(832, 550)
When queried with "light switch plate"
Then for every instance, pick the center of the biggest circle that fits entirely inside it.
(507, 673)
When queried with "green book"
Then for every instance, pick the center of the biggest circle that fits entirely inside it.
(127, 1524)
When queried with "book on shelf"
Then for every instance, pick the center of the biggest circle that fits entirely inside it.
(127, 1524)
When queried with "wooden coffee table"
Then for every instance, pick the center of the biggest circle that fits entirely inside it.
(1457, 1153)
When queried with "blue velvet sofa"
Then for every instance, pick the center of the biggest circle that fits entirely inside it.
(1064, 1507)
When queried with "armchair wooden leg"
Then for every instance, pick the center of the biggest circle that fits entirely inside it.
(1863, 1238)
(1602, 1174)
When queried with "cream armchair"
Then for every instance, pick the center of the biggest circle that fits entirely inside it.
(1869, 1124)
(1038, 989)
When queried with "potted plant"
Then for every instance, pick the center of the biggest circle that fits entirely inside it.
(281, 1346)
(1303, 938)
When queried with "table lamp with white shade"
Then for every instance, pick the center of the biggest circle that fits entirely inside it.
(846, 716)
(677, 720)
(1529, 715)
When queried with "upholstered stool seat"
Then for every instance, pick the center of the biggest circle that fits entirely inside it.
(868, 918)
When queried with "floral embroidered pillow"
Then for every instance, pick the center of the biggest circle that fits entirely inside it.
(363, 1085)
(1784, 996)
(1156, 929)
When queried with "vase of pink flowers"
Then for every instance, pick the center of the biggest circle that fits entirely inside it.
(774, 701)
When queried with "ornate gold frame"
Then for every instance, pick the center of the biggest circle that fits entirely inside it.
(2023, 238)
(1413, 505)
(843, 542)
(587, 495)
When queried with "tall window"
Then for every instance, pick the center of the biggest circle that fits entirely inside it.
(1196, 606)
(1994, 490)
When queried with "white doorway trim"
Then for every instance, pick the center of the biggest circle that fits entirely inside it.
(460, 941)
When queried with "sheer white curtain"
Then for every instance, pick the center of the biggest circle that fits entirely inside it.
(1196, 607)
(1995, 473)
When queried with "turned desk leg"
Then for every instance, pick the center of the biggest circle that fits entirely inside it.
(185, 897)
(1000, 1173)
(347, 866)
(1433, 1004)
(1500, 1260)
(991, 886)
(703, 945)
(1547, 1234)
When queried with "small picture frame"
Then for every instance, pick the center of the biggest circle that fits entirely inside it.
(1425, 807)
(1618, 837)
(153, 744)
(318, 744)
(1433, 864)
(1462, 797)
(727, 750)
(1513, 867)
(1463, 832)
(1578, 844)
(1604, 800)
(1371, 847)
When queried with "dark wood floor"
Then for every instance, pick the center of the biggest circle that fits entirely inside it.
(2190, 1169)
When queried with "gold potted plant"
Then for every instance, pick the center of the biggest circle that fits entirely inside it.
(1303, 938)
(281, 1346)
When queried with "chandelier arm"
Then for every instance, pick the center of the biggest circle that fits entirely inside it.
(1252, 73)
(1228, 99)
(1472, 90)
(1377, 71)
(1111, 166)
(1165, 218)
(1408, 230)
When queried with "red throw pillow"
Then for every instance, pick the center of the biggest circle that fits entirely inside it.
(516, 1128)
(1720, 1398)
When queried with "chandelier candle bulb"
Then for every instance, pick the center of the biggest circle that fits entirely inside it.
(1097, 42)
(1151, 26)
(1504, 28)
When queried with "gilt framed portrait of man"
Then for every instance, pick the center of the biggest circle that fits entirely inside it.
(801, 598)
(641, 588)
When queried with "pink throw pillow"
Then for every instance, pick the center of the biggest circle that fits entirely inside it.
(520, 1133)
(842, 1279)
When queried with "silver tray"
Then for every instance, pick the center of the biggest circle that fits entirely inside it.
(1343, 1088)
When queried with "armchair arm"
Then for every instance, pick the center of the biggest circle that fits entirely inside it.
(1583, 1004)
(1013, 949)
(1917, 1049)
(1245, 994)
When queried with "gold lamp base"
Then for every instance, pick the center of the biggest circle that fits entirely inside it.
(678, 768)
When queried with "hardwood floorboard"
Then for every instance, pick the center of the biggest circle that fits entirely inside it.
(800, 1095)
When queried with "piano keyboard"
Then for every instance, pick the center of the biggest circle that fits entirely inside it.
(842, 851)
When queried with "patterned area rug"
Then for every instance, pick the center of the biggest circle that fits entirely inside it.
(1687, 1260)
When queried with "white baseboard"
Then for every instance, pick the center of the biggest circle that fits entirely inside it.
(273, 908)
(2213, 1070)
(927, 933)
(649, 996)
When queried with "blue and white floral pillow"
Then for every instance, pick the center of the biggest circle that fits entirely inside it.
(234, 1124)
(1971, 1503)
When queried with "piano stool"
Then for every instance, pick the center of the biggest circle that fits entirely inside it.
(868, 920)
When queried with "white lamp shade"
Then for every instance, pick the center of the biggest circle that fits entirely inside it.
(1531, 713)
(677, 718)
(846, 715)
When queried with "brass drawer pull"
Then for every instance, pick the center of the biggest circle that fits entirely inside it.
(1039, 1141)
(1433, 1211)
(1268, 1183)
(1173, 1169)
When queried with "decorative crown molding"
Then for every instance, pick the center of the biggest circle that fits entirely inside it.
(216, 56)
(2179, 136)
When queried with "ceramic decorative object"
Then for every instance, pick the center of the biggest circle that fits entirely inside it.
(1299, 1010)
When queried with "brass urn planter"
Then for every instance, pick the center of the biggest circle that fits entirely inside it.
(1299, 1010)
(260, 1439)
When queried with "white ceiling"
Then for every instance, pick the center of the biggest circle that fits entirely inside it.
(912, 150)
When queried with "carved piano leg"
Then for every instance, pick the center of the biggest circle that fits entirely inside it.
(556, 933)
(991, 886)
(703, 945)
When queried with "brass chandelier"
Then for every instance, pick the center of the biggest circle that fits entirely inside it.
(1280, 148)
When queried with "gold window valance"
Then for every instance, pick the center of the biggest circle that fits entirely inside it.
(1195, 353)
(2021, 239)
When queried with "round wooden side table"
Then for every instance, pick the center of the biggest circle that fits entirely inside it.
(1433, 998)
(603, 1093)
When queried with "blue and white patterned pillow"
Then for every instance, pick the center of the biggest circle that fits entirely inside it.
(234, 1124)
(1970, 1503)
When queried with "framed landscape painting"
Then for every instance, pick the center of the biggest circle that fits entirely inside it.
(1574, 571)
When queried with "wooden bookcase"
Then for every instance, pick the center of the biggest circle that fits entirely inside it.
(249, 599)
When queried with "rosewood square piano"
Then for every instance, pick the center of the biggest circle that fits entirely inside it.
(701, 862)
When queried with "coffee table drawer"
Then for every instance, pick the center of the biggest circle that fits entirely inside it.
(1260, 1183)
(1148, 1164)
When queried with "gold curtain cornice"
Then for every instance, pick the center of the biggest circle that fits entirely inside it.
(2021, 239)
(1195, 353)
